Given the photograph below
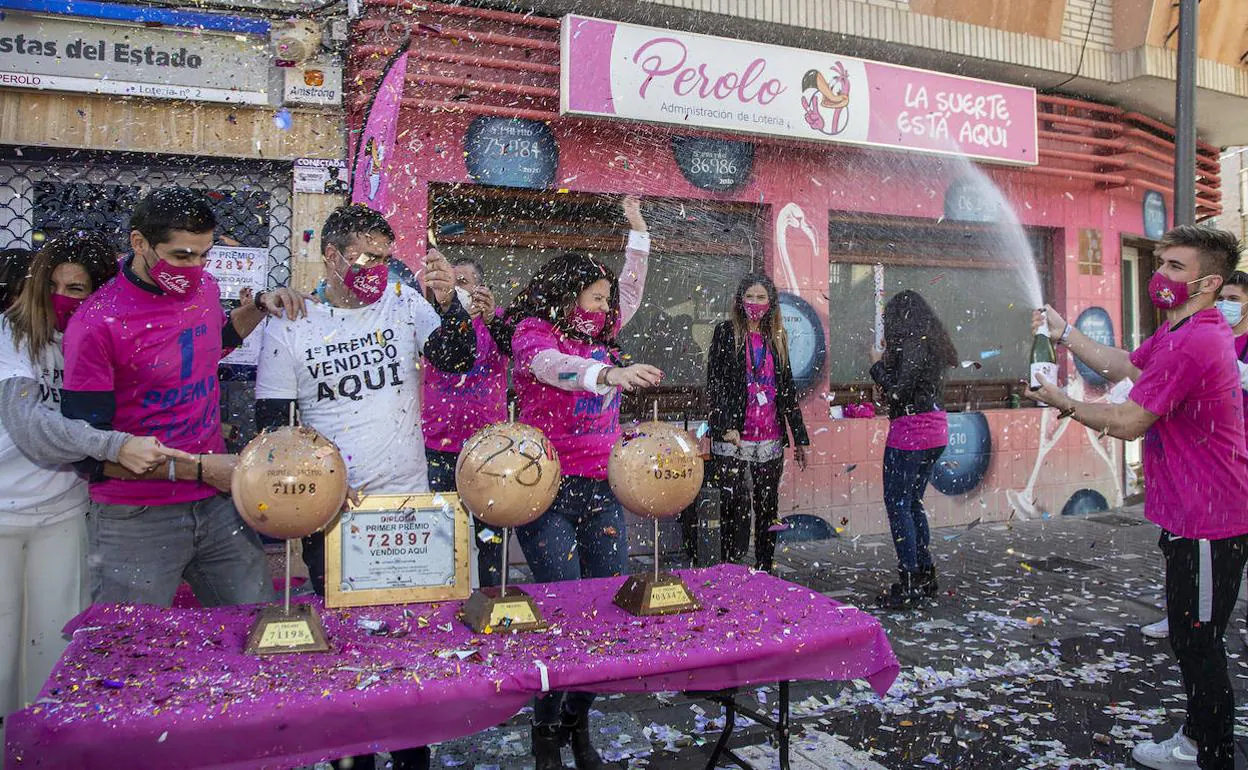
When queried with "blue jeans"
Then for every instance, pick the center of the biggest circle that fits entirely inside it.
(906, 473)
(442, 479)
(582, 534)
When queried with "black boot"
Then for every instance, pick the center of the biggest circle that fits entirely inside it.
(901, 595)
(411, 759)
(575, 730)
(927, 582)
(546, 742)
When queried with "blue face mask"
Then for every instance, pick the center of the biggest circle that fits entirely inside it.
(1233, 312)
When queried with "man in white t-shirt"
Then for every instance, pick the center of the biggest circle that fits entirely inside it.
(352, 368)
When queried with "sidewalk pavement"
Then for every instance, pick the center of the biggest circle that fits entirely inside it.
(1031, 657)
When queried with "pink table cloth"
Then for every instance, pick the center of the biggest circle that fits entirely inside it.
(145, 687)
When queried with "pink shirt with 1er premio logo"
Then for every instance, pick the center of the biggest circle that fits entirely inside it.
(157, 355)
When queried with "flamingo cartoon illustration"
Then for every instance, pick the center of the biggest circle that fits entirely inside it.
(828, 93)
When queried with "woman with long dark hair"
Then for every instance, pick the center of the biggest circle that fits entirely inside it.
(752, 398)
(43, 503)
(561, 331)
(911, 372)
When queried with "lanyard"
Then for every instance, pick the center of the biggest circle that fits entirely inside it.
(756, 360)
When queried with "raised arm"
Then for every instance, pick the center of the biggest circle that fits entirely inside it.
(636, 260)
(444, 331)
(450, 343)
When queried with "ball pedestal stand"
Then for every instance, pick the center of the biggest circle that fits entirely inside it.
(282, 629)
(657, 593)
(501, 608)
(285, 629)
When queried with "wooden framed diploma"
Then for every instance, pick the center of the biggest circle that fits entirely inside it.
(398, 549)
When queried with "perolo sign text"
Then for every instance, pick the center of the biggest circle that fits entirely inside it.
(641, 73)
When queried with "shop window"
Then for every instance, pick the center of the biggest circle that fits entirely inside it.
(699, 251)
(242, 215)
(967, 272)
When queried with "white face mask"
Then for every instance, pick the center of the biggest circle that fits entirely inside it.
(1232, 311)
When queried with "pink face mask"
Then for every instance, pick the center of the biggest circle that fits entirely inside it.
(586, 322)
(176, 281)
(367, 283)
(64, 307)
(1167, 293)
(756, 311)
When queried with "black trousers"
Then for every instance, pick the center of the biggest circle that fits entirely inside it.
(1202, 585)
(732, 476)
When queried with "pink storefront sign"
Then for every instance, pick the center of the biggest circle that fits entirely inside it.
(630, 72)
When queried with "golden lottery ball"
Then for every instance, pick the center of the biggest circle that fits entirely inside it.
(507, 474)
(655, 470)
(289, 482)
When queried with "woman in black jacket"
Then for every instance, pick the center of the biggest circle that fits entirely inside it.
(911, 371)
(749, 387)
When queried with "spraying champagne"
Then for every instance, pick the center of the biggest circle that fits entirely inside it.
(1043, 357)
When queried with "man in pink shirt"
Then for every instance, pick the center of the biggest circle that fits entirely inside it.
(1186, 403)
(455, 406)
(141, 357)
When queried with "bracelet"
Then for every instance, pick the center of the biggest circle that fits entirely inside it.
(259, 304)
(1063, 414)
(173, 470)
(199, 469)
(1065, 334)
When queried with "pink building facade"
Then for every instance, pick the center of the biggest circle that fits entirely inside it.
(826, 221)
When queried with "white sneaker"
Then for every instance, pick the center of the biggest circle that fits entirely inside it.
(1175, 753)
(1158, 630)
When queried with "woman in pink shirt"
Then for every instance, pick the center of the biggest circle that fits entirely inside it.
(561, 332)
(911, 371)
(749, 387)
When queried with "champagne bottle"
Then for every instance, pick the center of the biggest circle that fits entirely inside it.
(1043, 357)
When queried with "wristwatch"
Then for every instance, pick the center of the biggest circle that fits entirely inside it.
(260, 304)
(1065, 334)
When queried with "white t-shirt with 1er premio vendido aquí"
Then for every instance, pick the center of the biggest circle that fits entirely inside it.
(355, 375)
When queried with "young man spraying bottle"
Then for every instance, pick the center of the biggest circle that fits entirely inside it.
(1186, 403)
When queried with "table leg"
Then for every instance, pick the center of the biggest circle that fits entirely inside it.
(779, 726)
(782, 725)
(730, 719)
